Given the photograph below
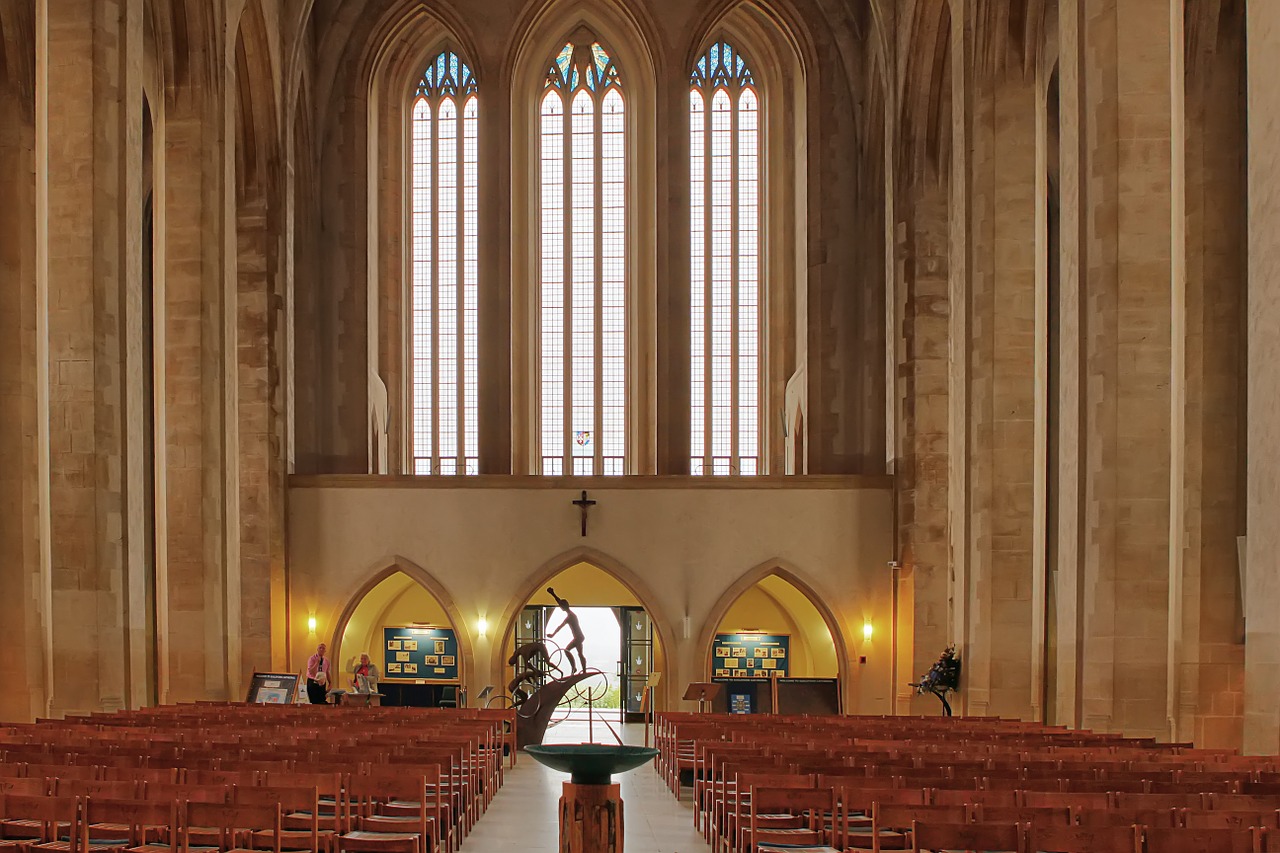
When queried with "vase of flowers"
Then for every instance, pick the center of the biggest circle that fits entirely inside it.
(942, 678)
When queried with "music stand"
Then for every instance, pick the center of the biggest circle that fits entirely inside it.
(702, 692)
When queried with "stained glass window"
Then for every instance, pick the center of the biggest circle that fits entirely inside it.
(724, 317)
(444, 296)
(583, 281)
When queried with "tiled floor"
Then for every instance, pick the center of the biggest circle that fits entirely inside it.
(523, 814)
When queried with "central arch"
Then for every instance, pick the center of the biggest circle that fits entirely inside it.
(632, 582)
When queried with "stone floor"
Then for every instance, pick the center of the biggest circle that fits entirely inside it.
(523, 814)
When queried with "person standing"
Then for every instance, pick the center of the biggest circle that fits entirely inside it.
(318, 676)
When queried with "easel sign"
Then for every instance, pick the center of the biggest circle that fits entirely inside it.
(272, 688)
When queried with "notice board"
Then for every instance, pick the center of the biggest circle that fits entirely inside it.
(419, 654)
(751, 655)
(272, 688)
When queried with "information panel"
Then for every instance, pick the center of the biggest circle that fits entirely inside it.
(420, 654)
(272, 688)
(750, 655)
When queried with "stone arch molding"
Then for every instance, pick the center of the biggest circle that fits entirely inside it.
(384, 569)
(618, 571)
(794, 576)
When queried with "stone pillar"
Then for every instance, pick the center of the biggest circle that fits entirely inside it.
(260, 454)
(672, 413)
(1262, 598)
(1002, 396)
(94, 178)
(20, 572)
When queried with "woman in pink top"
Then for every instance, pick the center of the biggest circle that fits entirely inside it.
(318, 676)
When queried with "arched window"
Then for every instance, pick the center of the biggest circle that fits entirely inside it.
(583, 281)
(444, 288)
(724, 111)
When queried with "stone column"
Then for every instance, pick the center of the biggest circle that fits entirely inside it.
(1002, 395)
(1262, 598)
(94, 178)
(20, 572)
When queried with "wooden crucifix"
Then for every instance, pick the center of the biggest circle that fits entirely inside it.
(584, 504)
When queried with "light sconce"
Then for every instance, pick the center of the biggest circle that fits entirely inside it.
(482, 626)
(867, 630)
(311, 624)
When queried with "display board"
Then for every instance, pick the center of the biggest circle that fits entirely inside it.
(272, 688)
(419, 654)
(750, 655)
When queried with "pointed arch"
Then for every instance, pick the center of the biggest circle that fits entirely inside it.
(794, 576)
(617, 570)
(542, 34)
(386, 568)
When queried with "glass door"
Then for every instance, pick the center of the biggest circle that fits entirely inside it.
(636, 663)
(530, 627)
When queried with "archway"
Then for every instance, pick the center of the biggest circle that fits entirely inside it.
(769, 626)
(405, 597)
(592, 580)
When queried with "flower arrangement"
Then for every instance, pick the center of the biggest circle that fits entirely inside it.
(942, 678)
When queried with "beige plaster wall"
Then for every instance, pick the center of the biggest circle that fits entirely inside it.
(490, 543)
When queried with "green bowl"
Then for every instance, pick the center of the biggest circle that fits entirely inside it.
(591, 763)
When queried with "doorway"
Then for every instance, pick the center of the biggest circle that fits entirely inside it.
(620, 640)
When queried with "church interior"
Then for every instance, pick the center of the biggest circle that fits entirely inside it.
(793, 341)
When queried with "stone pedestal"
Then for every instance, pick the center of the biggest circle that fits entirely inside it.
(591, 819)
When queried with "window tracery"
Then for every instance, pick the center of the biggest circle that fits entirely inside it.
(444, 198)
(582, 272)
(725, 238)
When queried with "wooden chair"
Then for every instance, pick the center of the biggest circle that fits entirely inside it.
(110, 824)
(805, 832)
(968, 837)
(223, 826)
(298, 801)
(1163, 840)
(1084, 839)
(1230, 819)
(891, 824)
(369, 832)
(1033, 816)
(52, 817)
(1161, 818)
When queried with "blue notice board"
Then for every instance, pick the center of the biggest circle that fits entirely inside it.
(420, 654)
(751, 655)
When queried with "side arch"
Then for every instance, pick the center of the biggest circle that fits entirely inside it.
(792, 575)
(619, 572)
(384, 569)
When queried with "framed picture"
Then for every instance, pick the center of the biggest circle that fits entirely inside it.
(402, 656)
(722, 651)
(439, 647)
(760, 653)
(410, 667)
(393, 645)
(778, 653)
(740, 652)
(732, 663)
(448, 660)
(769, 664)
(431, 660)
(394, 667)
(411, 645)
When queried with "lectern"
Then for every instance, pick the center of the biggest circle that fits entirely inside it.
(701, 692)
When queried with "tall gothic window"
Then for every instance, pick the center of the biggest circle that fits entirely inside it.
(583, 281)
(724, 111)
(443, 226)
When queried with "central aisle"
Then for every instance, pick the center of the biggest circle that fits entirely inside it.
(523, 815)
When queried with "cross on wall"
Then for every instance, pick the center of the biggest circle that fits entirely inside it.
(584, 504)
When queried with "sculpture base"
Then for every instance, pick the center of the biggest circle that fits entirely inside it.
(591, 819)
